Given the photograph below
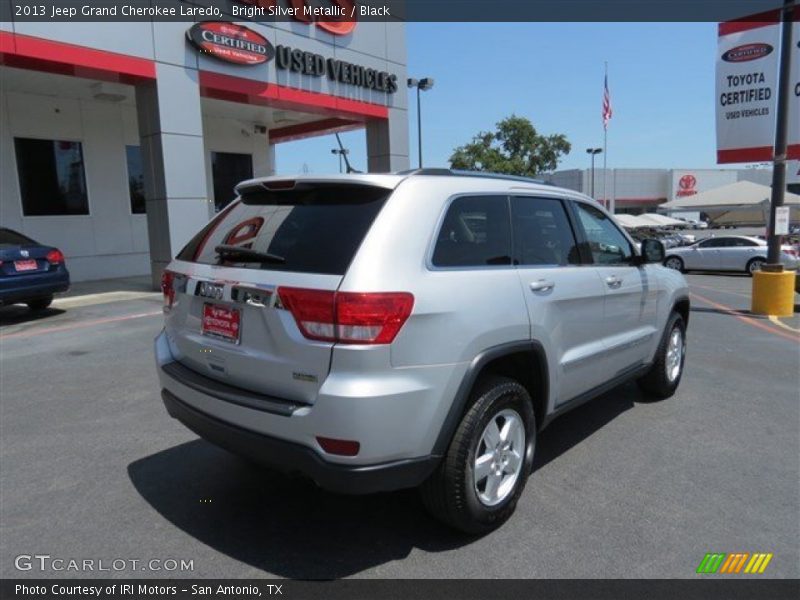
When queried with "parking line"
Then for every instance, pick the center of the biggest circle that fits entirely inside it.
(780, 323)
(705, 287)
(746, 319)
(28, 334)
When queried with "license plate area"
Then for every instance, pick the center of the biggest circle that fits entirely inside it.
(25, 265)
(221, 322)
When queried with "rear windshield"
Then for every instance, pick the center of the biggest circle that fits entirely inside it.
(9, 237)
(310, 228)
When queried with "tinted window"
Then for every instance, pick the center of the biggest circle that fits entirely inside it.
(51, 177)
(606, 242)
(8, 237)
(476, 232)
(742, 243)
(227, 171)
(313, 228)
(714, 243)
(133, 155)
(542, 233)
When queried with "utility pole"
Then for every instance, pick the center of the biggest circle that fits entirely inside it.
(773, 263)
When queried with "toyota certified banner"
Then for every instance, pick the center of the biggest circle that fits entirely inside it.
(746, 92)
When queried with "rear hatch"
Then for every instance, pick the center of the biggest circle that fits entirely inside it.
(227, 319)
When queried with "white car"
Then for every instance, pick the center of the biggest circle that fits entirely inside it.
(726, 253)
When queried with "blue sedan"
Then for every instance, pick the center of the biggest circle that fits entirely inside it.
(30, 273)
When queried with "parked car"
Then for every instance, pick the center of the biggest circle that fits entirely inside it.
(726, 253)
(30, 272)
(378, 332)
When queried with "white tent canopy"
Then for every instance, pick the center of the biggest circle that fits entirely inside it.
(742, 194)
(661, 220)
(631, 221)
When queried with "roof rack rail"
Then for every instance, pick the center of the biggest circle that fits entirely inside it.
(439, 171)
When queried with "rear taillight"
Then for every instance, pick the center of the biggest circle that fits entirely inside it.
(313, 310)
(168, 288)
(348, 317)
(55, 257)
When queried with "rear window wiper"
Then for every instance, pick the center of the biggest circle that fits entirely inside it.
(247, 255)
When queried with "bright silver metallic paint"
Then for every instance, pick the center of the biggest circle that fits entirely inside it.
(593, 322)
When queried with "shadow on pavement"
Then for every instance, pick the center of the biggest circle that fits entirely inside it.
(289, 527)
(286, 526)
(573, 427)
(19, 313)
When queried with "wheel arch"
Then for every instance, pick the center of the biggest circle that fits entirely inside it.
(682, 307)
(524, 361)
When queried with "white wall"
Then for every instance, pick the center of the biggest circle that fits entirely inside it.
(110, 241)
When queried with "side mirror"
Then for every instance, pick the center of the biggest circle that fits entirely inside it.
(652, 251)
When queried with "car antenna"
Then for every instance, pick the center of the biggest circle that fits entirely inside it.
(343, 154)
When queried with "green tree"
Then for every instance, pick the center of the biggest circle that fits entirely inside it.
(514, 148)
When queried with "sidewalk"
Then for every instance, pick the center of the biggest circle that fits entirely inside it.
(85, 293)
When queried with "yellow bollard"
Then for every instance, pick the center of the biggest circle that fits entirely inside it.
(773, 293)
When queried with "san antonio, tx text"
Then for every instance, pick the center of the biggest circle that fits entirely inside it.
(130, 589)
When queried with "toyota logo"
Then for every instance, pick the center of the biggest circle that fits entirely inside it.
(687, 182)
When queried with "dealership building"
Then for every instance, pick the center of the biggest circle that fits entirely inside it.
(636, 191)
(119, 140)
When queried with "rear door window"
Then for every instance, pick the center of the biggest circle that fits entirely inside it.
(307, 228)
(476, 232)
(542, 232)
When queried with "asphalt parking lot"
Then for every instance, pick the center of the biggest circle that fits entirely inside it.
(93, 468)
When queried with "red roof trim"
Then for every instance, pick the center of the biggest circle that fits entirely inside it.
(301, 131)
(26, 52)
(250, 91)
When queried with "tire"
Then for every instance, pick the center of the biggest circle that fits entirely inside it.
(674, 262)
(451, 493)
(662, 379)
(40, 303)
(753, 265)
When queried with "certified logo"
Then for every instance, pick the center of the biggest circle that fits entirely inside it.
(747, 52)
(230, 42)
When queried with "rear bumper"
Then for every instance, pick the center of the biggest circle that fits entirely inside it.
(289, 457)
(23, 288)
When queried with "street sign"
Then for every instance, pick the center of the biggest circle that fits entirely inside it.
(746, 86)
(782, 220)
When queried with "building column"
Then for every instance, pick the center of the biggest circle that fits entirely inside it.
(387, 142)
(171, 135)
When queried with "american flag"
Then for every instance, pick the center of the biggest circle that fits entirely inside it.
(607, 112)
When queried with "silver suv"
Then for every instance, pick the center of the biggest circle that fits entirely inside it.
(377, 332)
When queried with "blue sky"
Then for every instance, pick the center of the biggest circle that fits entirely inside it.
(661, 77)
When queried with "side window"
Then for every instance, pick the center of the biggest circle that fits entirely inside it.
(606, 242)
(742, 243)
(476, 232)
(715, 243)
(542, 233)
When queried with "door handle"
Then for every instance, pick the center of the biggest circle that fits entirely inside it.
(542, 285)
(613, 281)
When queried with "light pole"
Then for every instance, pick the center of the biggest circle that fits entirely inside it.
(340, 152)
(593, 152)
(423, 85)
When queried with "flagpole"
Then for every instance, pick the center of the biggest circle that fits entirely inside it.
(609, 203)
